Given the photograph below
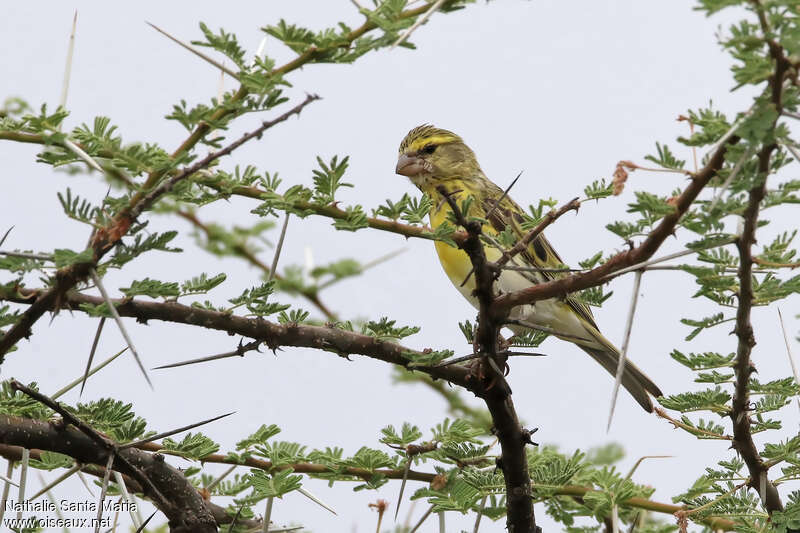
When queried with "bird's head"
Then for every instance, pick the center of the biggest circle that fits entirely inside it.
(430, 156)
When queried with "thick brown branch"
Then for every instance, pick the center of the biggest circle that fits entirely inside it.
(274, 335)
(520, 516)
(187, 512)
(14, 453)
(743, 368)
(742, 436)
(643, 252)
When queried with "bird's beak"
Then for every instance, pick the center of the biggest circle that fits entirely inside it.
(408, 165)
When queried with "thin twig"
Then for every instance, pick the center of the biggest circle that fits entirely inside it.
(172, 432)
(56, 481)
(641, 459)
(68, 66)
(502, 196)
(278, 248)
(92, 372)
(697, 432)
(103, 490)
(5, 236)
(366, 266)
(402, 487)
(789, 352)
(268, 513)
(23, 476)
(196, 52)
(419, 22)
(240, 351)
(92, 352)
(422, 519)
(548, 219)
(39, 257)
(472, 356)
(127, 497)
(736, 168)
(50, 497)
(479, 514)
(77, 150)
(624, 351)
(7, 479)
(211, 486)
(645, 264)
(85, 483)
(7, 487)
(793, 151)
(113, 310)
(144, 524)
(316, 500)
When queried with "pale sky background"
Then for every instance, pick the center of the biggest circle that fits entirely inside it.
(561, 90)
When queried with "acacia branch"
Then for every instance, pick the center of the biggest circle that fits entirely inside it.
(176, 497)
(108, 236)
(272, 334)
(645, 250)
(14, 453)
(513, 438)
(743, 367)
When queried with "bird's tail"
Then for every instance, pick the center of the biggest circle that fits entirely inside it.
(634, 380)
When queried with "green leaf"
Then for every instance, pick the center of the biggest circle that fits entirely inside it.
(261, 436)
(665, 158)
(192, 446)
(152, 288)
(714, 400)
(328, 179)
(408, 434)
(201, 284)
(275, 485)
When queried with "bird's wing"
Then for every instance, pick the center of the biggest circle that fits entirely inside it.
(539, 253)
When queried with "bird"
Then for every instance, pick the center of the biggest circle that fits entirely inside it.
(434, 158)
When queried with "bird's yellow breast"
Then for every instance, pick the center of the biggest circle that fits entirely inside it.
(456, 262)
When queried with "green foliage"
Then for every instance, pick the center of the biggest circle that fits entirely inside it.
(201, 284)
(255, 300)
(714, 400)
(385, 329)
(328, 179)
(16, 403)
(704, 323)
(278, 484)
(128, 250)
(152, 288)
(408, 434)
(192, 446)
(51, 461)
(665, 158)
(599, 189)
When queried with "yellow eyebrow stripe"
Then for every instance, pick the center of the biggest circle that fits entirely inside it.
(419, 144)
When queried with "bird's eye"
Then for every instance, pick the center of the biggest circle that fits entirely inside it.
(429, 149)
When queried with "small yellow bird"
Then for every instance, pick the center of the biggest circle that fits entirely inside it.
(433, 157)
